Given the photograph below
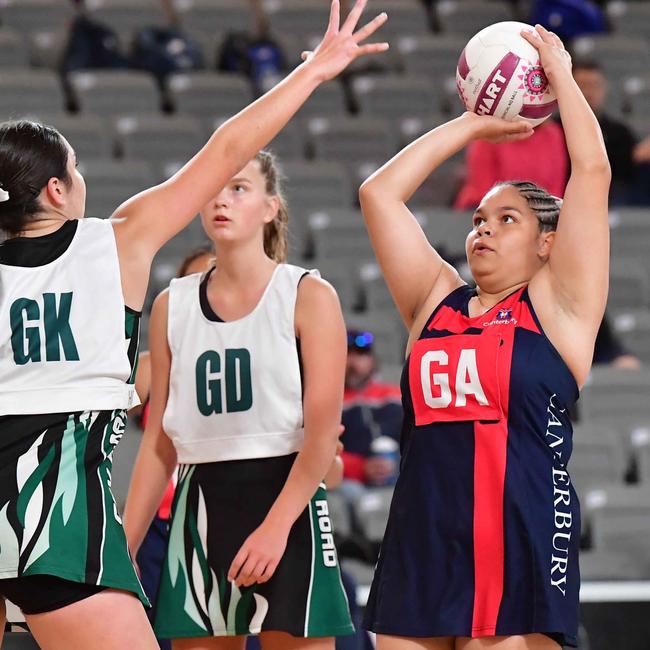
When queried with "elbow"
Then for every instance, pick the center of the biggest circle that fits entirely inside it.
(595, 168)
(367, 190)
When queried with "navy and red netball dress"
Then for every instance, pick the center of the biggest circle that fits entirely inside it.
(484, 527)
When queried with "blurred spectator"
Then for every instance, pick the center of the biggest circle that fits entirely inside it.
(489, 163)
(255, 54)
(372, 416)
(610, 350)
(629, 159)
(569, 18)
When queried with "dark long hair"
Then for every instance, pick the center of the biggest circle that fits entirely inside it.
(30, 154)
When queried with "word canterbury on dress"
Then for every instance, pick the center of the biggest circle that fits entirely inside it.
(484, 528)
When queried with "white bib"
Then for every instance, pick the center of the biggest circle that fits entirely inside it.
(235, 389)
(63, 345)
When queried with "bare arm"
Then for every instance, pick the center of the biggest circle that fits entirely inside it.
(412, 268)
(156, 459)
(144, 223)
(578, 268)
(323, 344)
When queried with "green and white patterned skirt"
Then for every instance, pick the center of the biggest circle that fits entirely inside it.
(57, 512)
(216, 507)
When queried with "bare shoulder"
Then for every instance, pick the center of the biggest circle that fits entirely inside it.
(314, 291)
(316, 298)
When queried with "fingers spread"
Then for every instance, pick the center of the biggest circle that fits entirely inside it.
(370, 28)
(352, 20)
(268, 572)
(373, 48)
(335, 17)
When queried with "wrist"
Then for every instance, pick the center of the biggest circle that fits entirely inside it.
(311, 73)
(278, 522)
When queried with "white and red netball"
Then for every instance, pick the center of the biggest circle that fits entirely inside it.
(499, 73)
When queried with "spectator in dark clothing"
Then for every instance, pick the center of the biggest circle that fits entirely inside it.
(610, 350)
(629, 159)
(372, 416)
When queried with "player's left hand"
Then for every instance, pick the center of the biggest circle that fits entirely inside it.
(259, 556)
(554, 58)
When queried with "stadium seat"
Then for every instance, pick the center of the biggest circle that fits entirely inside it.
(621, 55)
(304, 17)
(115, 92)
(14, 52)
(29, 92)
(372, 510)
(215, 16)
(375, 294)
(599, 458)
(327, 101)
(209, 95)
(110, 182)
(405, 18)
(88, 134)
(339, 514)
(289, 144)
(634, 329)
(314, 186)
(628, 286)
(630, 18)
(469, 16)
(340, 242)
(610, 565)
(46, 47)
(396, 98)
(159, 139)
(637, 94)
(32, 15)
(621, 523)
(433, 57)
(126, 17)
(352, 141)
(445, 228)
(616, 397)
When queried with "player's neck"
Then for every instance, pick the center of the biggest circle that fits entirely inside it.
(241, 265)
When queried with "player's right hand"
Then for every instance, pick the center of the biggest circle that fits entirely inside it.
(495, 129)
(341, 44)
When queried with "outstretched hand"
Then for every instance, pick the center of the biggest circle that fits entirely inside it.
(497, 130)
(553, 56)
(341, 44)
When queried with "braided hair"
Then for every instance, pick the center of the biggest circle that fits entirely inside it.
(545, 206)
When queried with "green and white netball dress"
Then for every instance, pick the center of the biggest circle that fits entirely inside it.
(235, 416)
(68, 350)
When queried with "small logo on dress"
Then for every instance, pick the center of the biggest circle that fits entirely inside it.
(504, 314)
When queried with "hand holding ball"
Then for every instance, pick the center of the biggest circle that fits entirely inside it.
(499, 73)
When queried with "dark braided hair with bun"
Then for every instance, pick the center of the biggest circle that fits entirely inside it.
(30, 154)
(545, 206)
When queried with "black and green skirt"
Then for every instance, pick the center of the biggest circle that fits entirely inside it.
(216, 507)
(57, 513)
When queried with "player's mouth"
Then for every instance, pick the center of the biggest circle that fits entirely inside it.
(481, 248)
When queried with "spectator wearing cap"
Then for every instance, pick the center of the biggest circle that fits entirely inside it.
(372, 417)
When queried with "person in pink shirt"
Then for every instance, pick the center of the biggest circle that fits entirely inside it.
(489, 163)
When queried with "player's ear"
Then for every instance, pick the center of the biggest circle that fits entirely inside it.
(546, 240)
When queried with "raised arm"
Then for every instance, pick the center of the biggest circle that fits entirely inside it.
(323, 346)
(156, 458)
(413, 270)
(148, 220)
(578, 268)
